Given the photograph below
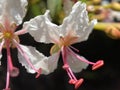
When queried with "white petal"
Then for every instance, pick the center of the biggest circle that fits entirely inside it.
(14, 9)
(1, 46)
(42, 29)
(47, 64)
(78, 21)
(75, 64)
(50, 63)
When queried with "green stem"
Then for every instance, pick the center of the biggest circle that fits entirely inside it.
(102, 26)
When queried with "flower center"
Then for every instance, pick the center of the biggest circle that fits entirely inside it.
(67, 40)
(8, 35)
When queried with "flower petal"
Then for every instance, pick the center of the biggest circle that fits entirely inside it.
(78, 21)
(75, 64)
(42, 29)
(14, 9)
(47, 64)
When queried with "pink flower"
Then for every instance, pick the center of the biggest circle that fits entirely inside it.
(75, 28)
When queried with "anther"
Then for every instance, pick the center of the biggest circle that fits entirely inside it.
(98, 64)
(72, 81)
(38, 73)
(14, 72)
(78, 83)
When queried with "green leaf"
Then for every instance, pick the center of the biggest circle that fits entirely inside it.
(54, 6)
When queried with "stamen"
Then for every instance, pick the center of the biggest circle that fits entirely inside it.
(77, 56)
(73, 80)
(71, 73)
(64, 55)
(7, 79)
(74, 49)
(95, 66)
(66, 66)
(6, 23)
(78, 83)
(8, 73)
(20, 32)
(27, 59)
(12, 70)
(98, 64)
(38, 73)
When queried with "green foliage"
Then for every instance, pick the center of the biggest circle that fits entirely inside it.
(83, 1)
(54, 6)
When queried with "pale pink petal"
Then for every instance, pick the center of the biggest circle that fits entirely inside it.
(47, 64)
(14, 9)
(78, 21)
(42, 29)
(75, 64)
(52, 62)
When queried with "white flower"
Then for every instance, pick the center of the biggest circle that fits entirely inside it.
(12, 13)
(75, 28)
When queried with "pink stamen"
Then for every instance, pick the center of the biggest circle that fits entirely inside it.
(8, 73)
(7, 79)
(12, 70)
(38, 73)
(6, 23)
(78, 83)
(95, 66)
(27, 59)
(73, 79)
(74, 49)
(71, 73)
(65, 66)
(64, 55)
(77, 56)
(98, 64)
(20, 32)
